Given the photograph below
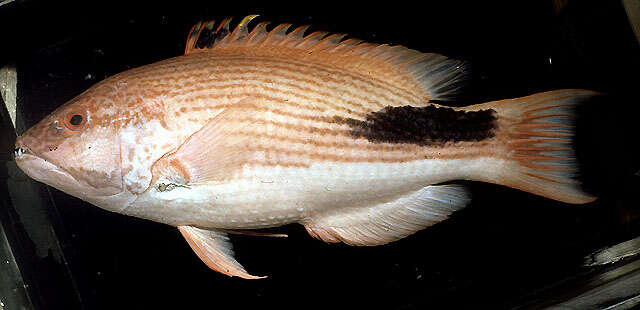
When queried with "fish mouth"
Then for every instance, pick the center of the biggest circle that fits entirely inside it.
(48, 173)
(20, 151)
(39, 168)
(43, 170)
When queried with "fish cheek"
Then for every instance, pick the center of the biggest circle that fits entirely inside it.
(95, 158)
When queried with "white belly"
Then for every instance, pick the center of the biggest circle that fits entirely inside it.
(273, 196)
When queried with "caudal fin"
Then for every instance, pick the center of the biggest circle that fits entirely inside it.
(538, 133)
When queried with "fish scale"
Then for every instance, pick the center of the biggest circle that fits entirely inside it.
(291, 88)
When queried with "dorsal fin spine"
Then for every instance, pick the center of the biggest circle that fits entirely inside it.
(275, 33)
(224, 25)
(346, 46)
(328, 42)
(295, 35)
(240, 31)
(435, 76)
(311, 39)
(298, 33)
(258, 34)
(222, 32)
(334, 38)
(192, 38)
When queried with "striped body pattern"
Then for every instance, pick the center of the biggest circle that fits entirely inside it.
(295, 140)
(256, 129)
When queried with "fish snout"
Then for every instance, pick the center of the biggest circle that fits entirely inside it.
(40, 139)
(20, 149)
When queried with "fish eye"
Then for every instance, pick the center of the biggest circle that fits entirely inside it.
(75, 121)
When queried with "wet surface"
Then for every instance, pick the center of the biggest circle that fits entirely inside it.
(505, 250)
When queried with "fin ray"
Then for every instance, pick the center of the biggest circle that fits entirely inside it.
(538, 131)
(390, 221)
(211, 154)
(215, 250)
(433, 76)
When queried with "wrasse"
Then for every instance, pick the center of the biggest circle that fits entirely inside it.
(255, 128)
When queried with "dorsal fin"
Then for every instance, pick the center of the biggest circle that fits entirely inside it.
(437, 77)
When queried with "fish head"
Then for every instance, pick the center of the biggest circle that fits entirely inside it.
(76, 150)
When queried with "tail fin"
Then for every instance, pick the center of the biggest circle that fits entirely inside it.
(538, 132)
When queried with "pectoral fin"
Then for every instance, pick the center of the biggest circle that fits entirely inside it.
(213, 153)
(215, 250)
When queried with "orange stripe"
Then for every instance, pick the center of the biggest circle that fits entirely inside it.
(237, 96)
(379, 88)
(302, 91)
(304, 68)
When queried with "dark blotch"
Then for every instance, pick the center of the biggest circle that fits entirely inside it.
(423, 125)
(208, 37)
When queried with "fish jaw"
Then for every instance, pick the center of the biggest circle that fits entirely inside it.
(42, 170)
(46, 172)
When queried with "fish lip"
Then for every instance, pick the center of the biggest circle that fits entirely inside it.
(20, 150)
(22, 153)
(39, 164)
(25, 156)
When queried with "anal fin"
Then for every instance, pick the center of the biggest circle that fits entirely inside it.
(215, 250)
(389, 221)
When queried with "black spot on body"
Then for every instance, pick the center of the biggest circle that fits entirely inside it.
(423, 126)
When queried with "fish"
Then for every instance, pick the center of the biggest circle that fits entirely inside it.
(256, 127)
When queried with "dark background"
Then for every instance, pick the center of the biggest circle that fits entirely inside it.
(507, 249)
